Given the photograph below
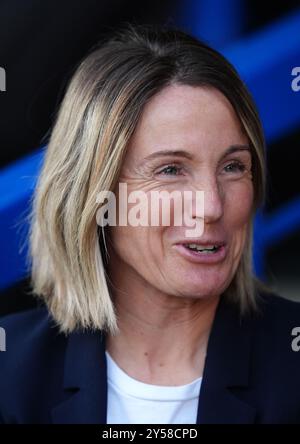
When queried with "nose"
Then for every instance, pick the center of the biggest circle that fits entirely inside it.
(213, 202)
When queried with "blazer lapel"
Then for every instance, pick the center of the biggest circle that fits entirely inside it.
(226, 369)
(226, 373)
(85, 377)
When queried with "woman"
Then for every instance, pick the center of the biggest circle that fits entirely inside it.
(150, 323)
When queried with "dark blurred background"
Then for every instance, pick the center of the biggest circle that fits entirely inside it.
(42, 42)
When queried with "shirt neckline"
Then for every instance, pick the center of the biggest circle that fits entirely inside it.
(132, 387)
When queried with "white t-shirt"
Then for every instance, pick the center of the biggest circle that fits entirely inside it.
(133, 402)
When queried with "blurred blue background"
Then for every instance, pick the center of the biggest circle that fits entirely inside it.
(40, 46)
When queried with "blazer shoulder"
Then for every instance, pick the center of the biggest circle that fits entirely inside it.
(277, 331)
(274, 308)
(24, 328)
(27, 333)
(34, 351)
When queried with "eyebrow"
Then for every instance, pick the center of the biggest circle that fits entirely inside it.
(189, 156)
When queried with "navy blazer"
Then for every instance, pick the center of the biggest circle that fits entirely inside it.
(251, 372)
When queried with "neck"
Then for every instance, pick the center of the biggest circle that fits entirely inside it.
(162, 338)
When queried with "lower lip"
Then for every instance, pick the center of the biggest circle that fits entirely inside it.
(202, 258)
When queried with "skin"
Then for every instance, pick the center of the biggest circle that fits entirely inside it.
(165, 303)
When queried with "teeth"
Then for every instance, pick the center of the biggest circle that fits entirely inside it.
(201, 247)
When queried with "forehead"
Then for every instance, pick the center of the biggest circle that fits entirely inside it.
(189, 118)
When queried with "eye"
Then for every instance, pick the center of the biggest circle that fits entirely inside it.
(170, 170)
(235, 167)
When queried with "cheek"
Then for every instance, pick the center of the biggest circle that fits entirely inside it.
(137, 246)
(126, 241)
(238, 205)
(237, 214)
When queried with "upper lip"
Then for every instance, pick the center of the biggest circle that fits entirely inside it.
(217, 243)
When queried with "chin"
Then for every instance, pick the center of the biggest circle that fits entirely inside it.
(200, 290)
(204, 285)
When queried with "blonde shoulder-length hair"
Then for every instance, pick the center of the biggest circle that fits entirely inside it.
(96, 119)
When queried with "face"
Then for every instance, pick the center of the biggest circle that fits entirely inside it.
(188, 138)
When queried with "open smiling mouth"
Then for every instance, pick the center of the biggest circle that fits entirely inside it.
(208, 253)
(210, 249)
